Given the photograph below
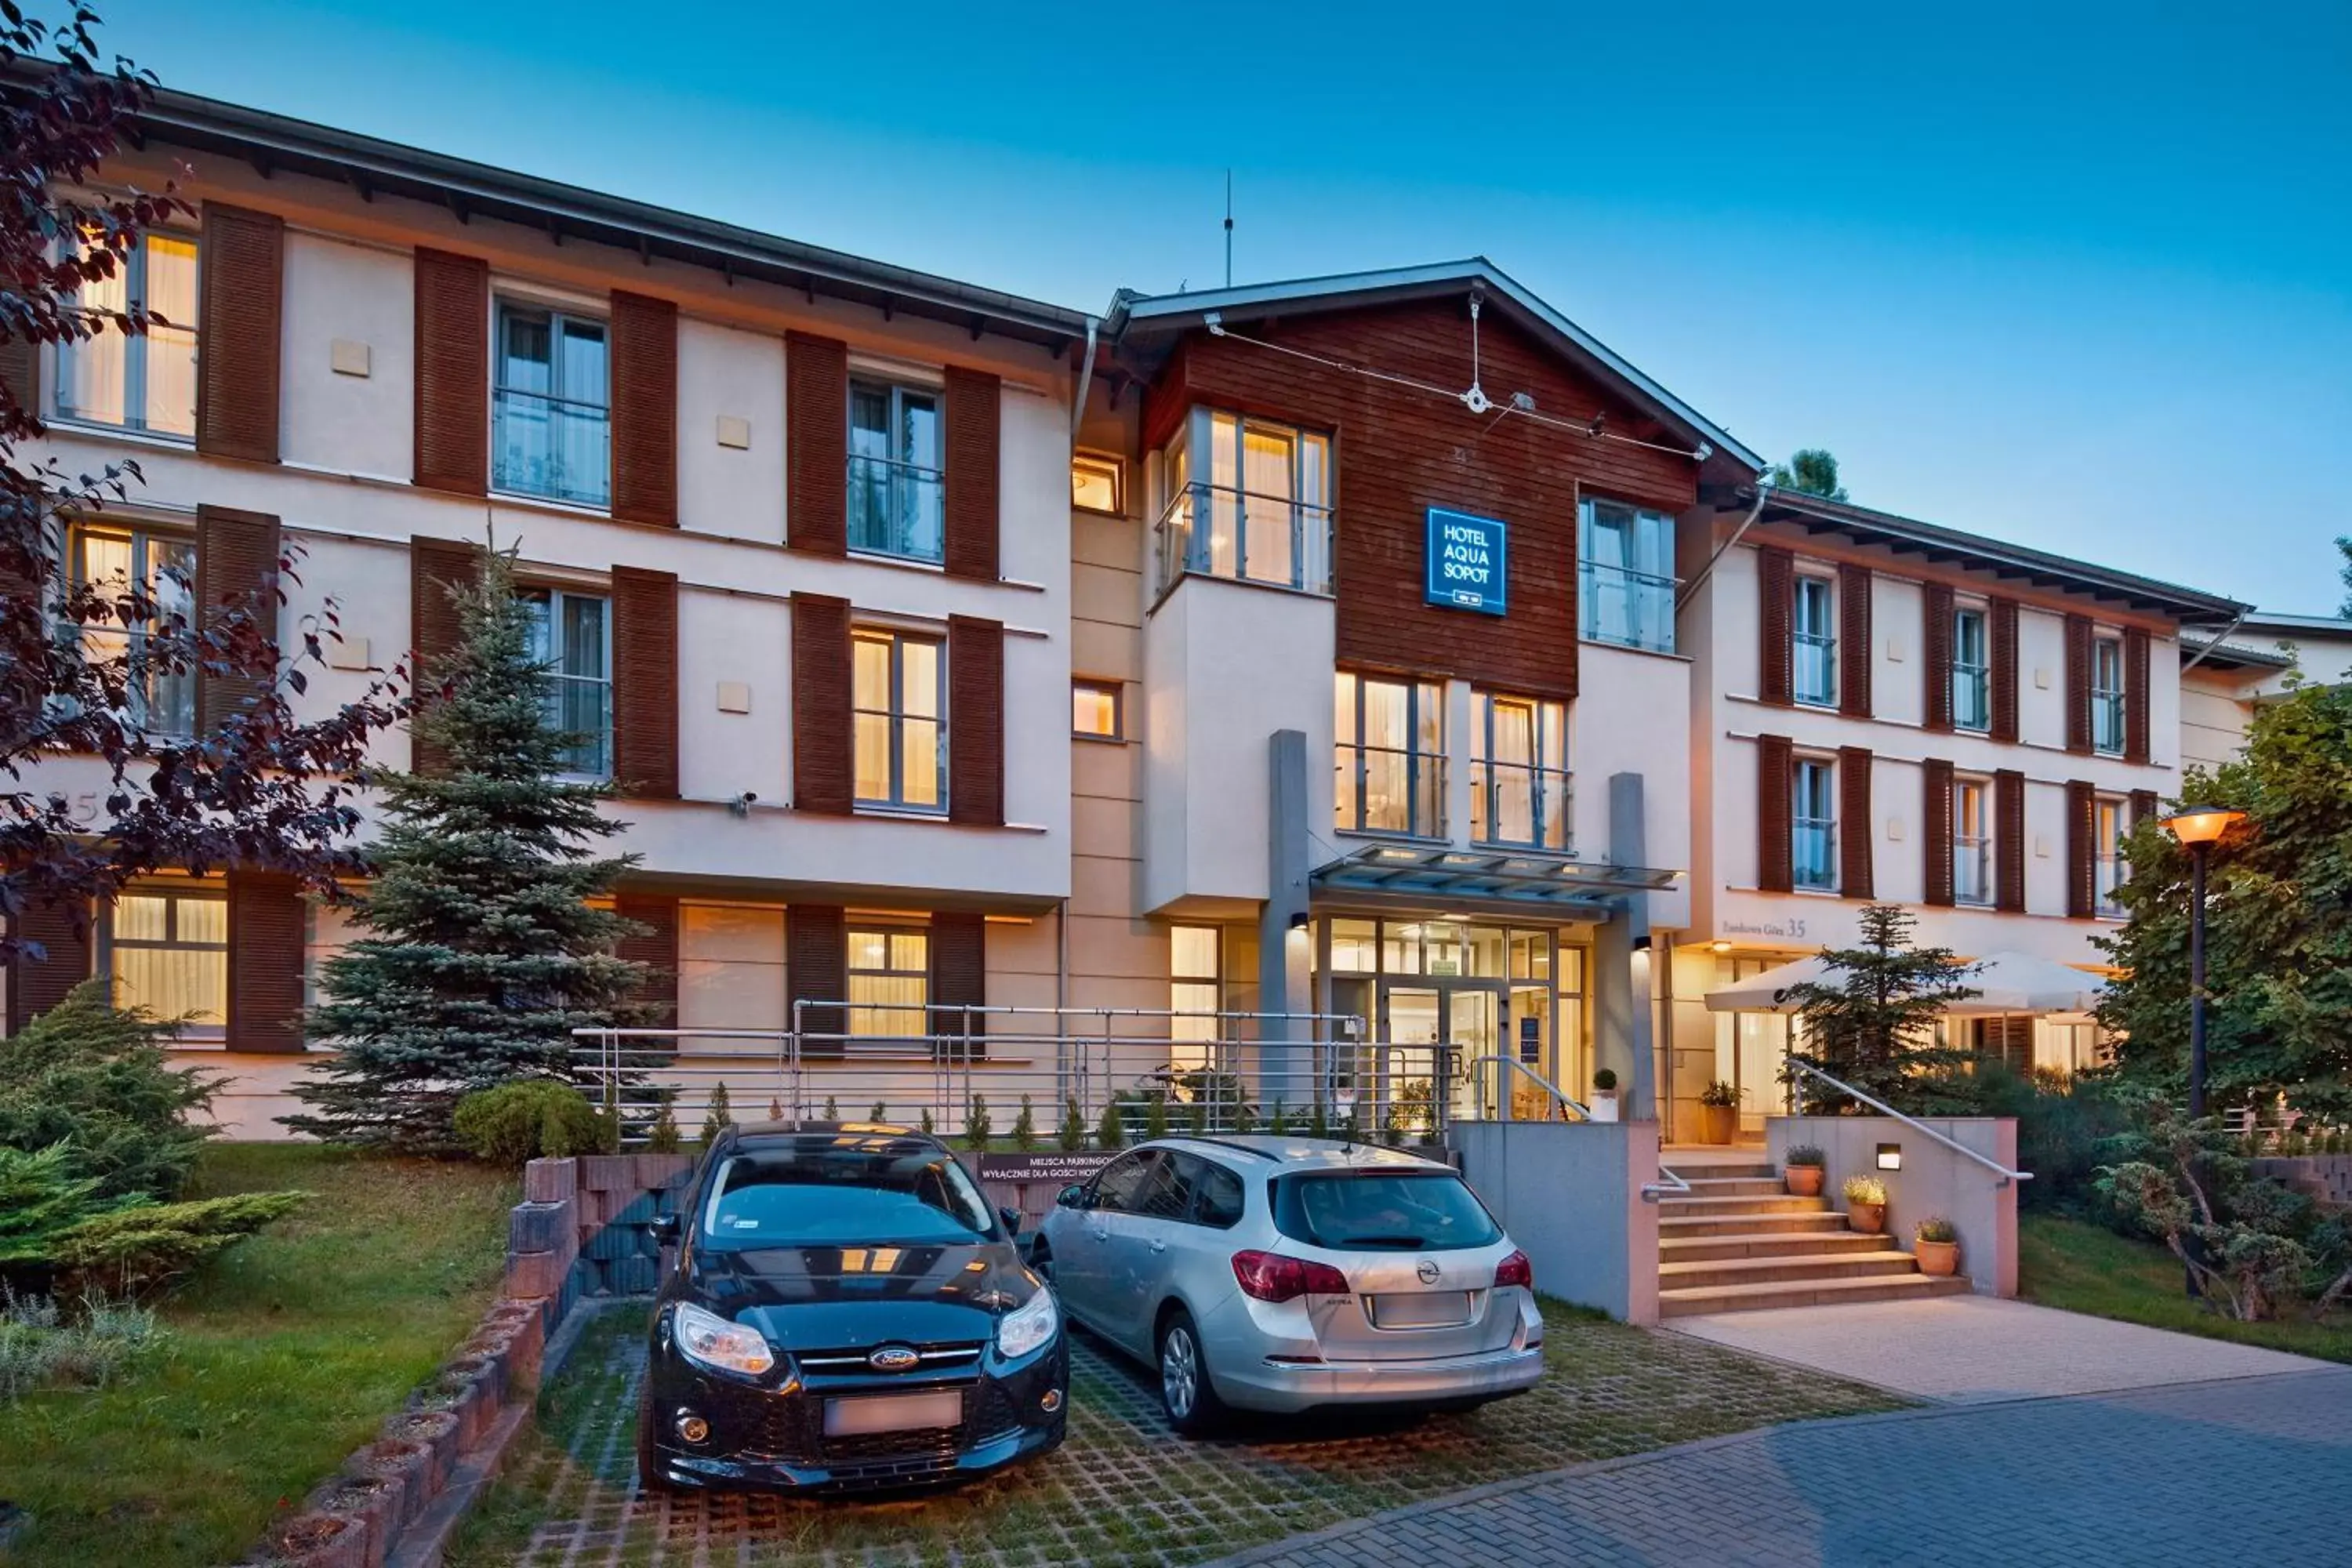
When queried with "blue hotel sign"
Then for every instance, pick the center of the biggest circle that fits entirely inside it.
(1465, 562)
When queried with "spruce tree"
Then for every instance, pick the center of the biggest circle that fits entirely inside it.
(481, 950)
(1871, 1021)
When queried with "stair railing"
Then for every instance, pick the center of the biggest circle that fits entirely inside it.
(1471, 1065)
(1667, 1185)
(2003, 1174)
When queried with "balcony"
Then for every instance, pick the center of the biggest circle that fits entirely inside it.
(1243, 536)
(1629, 608)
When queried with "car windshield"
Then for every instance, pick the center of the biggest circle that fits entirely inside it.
(1421, 1211)
(852, 1190)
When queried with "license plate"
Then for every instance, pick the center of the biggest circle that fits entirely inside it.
(1422, 1309)
(892, 1413)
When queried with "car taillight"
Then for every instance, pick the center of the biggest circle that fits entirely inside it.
(1271, 1277)
(1515, 1270)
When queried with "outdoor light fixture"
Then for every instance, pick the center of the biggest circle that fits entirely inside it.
(1890, 1156)
(1300, 920)
(1721, 946)
(2199, 828)
(2200, 825)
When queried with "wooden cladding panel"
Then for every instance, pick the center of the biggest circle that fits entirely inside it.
(2135, 695)
(236, 573)
(37, 985)
(644, 409)
(2143, 805)
(1776, 649)
(1935, 655)
(453, 372)
(645, 683)
(975, 721)
(1936, 781)
(1775, 809)
(267, 926)
(2081, 849)
(1857, 827)
(2001, 668)
(959, 973)
(816, 969)
(20, 371)
(1854, 640)
(816, 444)
(655, 947)
(972, 505)
(2078, 683)
(823, 775)
(242, 308)
(437, 568)
(2008, 841)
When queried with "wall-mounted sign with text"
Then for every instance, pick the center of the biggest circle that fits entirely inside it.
(1465, 562)
(1051, 1166)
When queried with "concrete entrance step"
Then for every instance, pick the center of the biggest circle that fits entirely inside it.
(1798, 1269)
(1715, 1186)
(1761, 1203)
(1734, 1223)
(1779, 1243)
(1685, 1303)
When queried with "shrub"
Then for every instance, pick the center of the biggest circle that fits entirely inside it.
(40, 1347)
(1073, 1135)
(977, 1127)
(1720, 1094)
(1024, 1127)
(880, 1113)
(929, 1124)
(1936, 1227)
(1604, 1081)
(133, 1250)
(531, 1119)
(1110, 1133)
(41, 1198)
(1280, 1125)
(717, 1116)
(95, 1078)
(1805, 1154)
(832, 1108)
(663, 1137)
(1865, 1190)
(1155, 1116)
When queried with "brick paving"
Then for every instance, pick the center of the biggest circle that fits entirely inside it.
(2255, 1470)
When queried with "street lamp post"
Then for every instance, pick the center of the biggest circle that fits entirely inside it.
(2199, 827)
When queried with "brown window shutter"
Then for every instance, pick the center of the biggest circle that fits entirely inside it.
(2008, 841)
(1857, 828)
(20, 373)
(822, 772)
(453, 372)
(972, 489)
(1936, 655)
(645, 683)
(1776, 588)
(816, 444)
(975, 721)
(2081, 849)
(266, 931)
(816, 969)
(244, 274)
(435, 567)
(960, 974)
(657, 948)
(1853, 641)
(2078, 683)
(236, 571)
(2135, 695)
(1776, 871)
(1936, 785)
(35, 985)
(2143, 805)
(2001, 668)
(644, 409)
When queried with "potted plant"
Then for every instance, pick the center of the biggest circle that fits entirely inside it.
(1604, 1095)
(1804, 1165)
(1718, 1113)
(1936, 1244)
(1865, 1203)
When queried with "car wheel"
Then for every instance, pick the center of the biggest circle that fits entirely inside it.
(653, 1480)
(1186, 1394)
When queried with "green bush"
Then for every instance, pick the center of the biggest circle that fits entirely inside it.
(95, 1079)
(41, 1198)
(2064, 1128)
(1073, 1134)
(717, 1117)
(132, 1250)
(530, 1119)
(1110, 1134)
(1936, 1227)
(41, 1347)
(1805, 1154)
(1024, 1127)
(977, 1126)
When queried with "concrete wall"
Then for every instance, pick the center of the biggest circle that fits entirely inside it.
(1570, 1193)
(1933, 1181)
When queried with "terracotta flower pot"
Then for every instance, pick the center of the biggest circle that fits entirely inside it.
(1804, 1181)
(1942, 1258)
(1717, 1124)
(1867, 1218)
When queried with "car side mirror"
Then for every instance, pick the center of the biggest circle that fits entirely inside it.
(667, 1229)
(1012, 1219)
(1073, 1197)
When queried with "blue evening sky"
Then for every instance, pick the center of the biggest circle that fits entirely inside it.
(2072, 275)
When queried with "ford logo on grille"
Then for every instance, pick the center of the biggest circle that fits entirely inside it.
(1426, 1271)
(894, 1358)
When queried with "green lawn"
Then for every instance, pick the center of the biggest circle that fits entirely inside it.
(2088, 1269)
(280, 1360)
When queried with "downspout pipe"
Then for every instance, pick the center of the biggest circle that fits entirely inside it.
(2218, 641)
(1763, 494)
(1086, 376)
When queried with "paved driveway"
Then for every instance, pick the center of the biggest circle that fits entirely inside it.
(2255, 1470)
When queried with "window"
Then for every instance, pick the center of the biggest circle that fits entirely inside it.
(1391, 755)
(1098, 483)
(897, 693)
(2109, 869)
(1194, 994)
(1095, 709)
(1248, 500)
(161, 700)
(895, 490)
(1972, 672)
(889, 983)
(1220, 1202)
(567, 634)
(551, 406)
(2107, 694)
(148, 382)
(1814, 820)
(1816, 642)
(168, 952)
(1972, 843)
(2009, 1041)
(1518, 773)
(1625, 571)
(1167, 1191)
(1122, 1181)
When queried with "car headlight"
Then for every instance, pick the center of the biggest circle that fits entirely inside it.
(1025, 1328)
(709, 1339)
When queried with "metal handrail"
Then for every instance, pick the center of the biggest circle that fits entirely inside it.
(1670, 1184)
(1472, 1064)
(1996, 1167)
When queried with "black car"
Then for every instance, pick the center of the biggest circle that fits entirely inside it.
(845, 1312)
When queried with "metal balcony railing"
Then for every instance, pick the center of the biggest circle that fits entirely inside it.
(1243, 536)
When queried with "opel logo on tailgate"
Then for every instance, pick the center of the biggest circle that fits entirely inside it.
(1426, 1270)
(893, 1358)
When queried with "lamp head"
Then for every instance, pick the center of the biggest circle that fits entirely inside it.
(2202, 824)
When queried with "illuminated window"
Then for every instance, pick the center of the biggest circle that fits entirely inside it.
(1390, 756)
(1972, 843)
(146, 382)
(897, 695)
(168, 952)
(1098, 483)
(1518, 773)
(161, 700)
(1095, 709)
(1249, 500)
(2109, 869)
(889, 983)
(1193, 993)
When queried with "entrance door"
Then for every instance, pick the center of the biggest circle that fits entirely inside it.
(1469, 1014)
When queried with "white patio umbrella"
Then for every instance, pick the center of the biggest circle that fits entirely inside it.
(2006, 983)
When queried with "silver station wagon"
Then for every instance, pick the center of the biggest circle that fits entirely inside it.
(1294, 1274)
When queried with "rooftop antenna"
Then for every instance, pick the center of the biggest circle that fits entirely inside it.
(1229, 229)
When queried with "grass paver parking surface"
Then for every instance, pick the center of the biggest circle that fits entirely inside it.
(1123, 1489)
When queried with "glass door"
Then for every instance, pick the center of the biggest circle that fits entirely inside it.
(1474, 1023)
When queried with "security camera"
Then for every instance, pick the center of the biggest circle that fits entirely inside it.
(742, 804)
